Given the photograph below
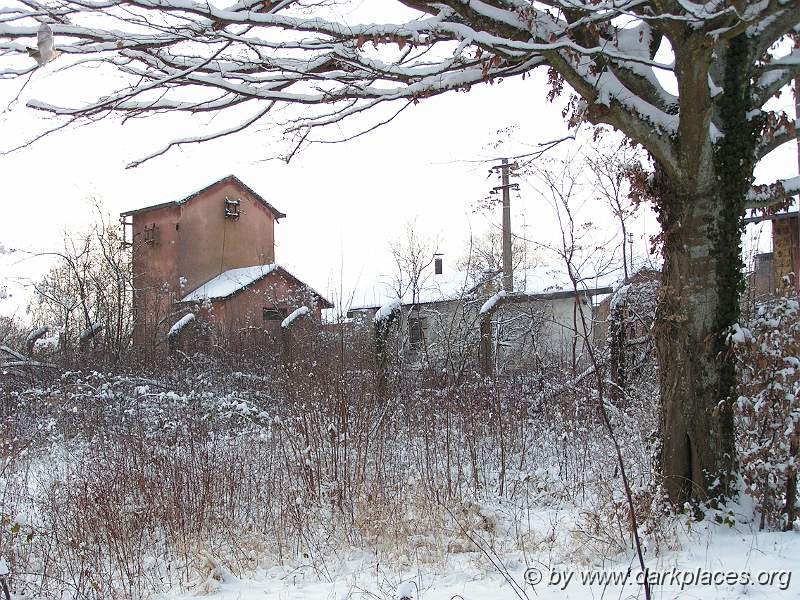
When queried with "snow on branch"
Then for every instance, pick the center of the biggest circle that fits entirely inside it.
(91, 331)
(36, 334)
(387, 310)
(13, 353)
(311, 60)
(762, 196)
(192, 56)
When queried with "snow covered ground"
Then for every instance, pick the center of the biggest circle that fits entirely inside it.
(207, 483)
(711, 562)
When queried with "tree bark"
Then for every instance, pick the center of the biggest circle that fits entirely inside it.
(695, 372)
(701, 209)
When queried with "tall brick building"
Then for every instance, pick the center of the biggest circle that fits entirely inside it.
(211, 253)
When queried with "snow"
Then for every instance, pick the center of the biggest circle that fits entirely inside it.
(739, 334)
(619, 298)
(738, 562)
(387, 309)
(760, 195)
(227, 283)
(407, 590)
(4, 571)
(454, 285)
(91, 331)
(492, 302)
(180, 325)
(46, 344)
(13, 353)
(37, 333)
(296, 314)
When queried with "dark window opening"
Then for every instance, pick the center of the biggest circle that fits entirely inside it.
(232, 208)
(150, 233)
(416, 331)
(437, 265)
(273, 313)
(177, 226)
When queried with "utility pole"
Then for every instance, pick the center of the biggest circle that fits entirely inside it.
(630, 243)
(505, 187)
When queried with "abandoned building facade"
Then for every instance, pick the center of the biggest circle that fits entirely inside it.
(458, 323)
(773, 271)
(211, 255)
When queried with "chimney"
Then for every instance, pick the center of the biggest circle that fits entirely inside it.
(437, 264)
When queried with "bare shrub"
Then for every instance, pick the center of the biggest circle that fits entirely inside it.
(768, 409)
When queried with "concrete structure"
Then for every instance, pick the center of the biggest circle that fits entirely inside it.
(225, 234)
(450, 324)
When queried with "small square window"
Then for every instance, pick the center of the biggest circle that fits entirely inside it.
(232, 208)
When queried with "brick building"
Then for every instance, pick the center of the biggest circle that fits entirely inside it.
(211, 253)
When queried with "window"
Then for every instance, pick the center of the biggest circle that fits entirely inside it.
(416, 331)
(150, 233)
(232, 208)
(437, 264)
(273, 313)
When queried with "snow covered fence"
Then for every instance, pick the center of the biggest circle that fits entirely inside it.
(180, 325)
(296, 314)
(490, 304)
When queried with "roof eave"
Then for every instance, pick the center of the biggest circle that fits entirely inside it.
(324, 302)
(278, 215)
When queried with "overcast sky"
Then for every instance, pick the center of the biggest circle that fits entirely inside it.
(344, 202)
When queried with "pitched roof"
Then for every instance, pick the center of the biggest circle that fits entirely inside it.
(234, 281)
(229, 179)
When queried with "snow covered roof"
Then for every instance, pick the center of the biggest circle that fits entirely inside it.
(231, 281)
(229, 179)
(458, 284)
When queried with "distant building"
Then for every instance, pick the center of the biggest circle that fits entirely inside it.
(773, 270)
(212, 252)
(456, 322)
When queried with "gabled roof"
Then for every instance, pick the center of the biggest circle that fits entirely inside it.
(229, 179)
(233, 281)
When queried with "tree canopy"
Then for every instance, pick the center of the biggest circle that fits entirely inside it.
(188, 56)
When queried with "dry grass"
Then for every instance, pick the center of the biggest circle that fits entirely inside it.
(116, 487)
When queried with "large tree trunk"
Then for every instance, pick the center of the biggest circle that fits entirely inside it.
(701, 209)
(695, 370)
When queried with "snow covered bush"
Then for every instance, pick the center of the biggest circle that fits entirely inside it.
(132, 484)
(768, 409)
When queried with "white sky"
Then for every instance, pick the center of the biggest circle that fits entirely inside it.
(344, 202)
